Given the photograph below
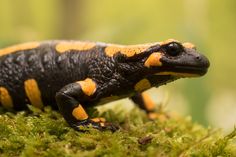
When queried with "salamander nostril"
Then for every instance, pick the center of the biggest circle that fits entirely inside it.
(198, 57)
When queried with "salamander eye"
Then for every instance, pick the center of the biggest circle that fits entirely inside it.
(173, 49)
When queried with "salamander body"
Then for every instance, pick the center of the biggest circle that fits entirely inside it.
(73, 75)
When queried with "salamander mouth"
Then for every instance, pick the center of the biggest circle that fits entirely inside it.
(183, 71)
(192, 69)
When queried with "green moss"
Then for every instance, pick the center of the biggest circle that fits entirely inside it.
(47, 134)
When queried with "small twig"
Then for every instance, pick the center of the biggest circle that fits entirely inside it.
(145, 140)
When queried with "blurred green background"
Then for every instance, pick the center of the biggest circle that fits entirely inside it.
(209, 24)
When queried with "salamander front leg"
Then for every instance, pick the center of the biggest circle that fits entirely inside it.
(144, 101)
(70, 99)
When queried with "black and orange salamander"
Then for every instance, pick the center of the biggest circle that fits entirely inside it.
(73, 75)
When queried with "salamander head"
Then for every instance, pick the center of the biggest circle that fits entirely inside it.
(169, 60)
(176, 59)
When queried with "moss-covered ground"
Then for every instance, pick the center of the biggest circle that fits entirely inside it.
(38, 133)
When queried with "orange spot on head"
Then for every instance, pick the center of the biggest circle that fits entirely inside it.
(5, 98)
(79, 113)
(153, 60)
(74, 45)
(20, 47)
(189, 45)
(88, 86)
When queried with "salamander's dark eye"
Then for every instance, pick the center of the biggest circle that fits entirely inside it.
(173, 49)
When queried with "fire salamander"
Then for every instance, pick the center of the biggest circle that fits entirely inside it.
(73, 75)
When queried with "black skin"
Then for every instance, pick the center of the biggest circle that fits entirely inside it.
(57, 73)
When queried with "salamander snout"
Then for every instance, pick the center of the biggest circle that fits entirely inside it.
(202, 60)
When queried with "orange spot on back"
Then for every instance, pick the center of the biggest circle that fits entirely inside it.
(129, 50)
(20, 47)
(74, 45)
(5, 98)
